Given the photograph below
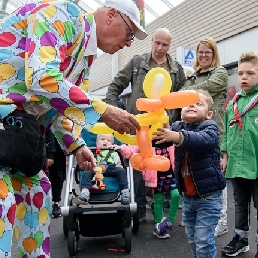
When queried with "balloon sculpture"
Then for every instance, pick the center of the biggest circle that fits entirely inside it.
(156, 86)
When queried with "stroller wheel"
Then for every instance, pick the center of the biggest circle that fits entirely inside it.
(73, 241)
(65, 225)
(128, 233)
(135, 222)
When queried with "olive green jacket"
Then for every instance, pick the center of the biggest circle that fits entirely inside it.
(215, 81)
(134, 72)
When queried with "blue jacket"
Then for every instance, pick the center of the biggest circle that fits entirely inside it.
(201, 142)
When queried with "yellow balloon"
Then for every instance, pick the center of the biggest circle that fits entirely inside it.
(101, 128)
(2, 227)
(164, 119)
(50, 11)
(154, 129)
(17, 233)
(21, 211)
(126, 138)
(43, 215)
(157, 83)
(7, 71)
(147, 119)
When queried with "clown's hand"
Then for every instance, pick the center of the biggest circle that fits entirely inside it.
(119, 120)
(85, 159)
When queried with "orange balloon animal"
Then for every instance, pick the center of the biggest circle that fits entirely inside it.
(156, 86)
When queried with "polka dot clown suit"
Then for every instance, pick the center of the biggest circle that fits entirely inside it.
(46, 50)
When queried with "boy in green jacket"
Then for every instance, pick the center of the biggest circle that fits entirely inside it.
(240, 150)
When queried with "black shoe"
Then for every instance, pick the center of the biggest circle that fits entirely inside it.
(236, 246)
(56, 211)
(256, 256)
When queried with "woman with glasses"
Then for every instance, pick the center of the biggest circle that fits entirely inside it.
(209, 75)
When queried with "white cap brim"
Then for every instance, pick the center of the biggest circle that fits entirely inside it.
(140, 33)
(129, 8)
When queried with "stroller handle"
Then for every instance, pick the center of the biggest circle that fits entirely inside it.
(99, 148)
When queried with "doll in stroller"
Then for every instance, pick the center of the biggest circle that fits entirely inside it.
(99, 212)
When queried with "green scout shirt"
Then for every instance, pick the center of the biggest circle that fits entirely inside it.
(242, 145)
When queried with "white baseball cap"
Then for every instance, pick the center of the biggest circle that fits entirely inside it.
(129, 8)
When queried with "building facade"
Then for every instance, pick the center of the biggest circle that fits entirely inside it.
(232, 23)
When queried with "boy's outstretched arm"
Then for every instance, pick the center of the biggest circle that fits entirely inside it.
(165, 135)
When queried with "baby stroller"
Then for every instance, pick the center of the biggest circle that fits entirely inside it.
(103, 216)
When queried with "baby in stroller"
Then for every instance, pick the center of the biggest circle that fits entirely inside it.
(113, 168)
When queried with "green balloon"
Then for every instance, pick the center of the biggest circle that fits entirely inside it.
(35, 179)
(18, 88)
(6, 178)
(39, 238)
(40, 29)
(24, 32)
(19, 177)
(59, 137)
(69, 31)
(44, 99)
(20, 252)
(55, 74)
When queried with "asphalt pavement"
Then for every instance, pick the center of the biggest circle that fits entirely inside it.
(144, 244)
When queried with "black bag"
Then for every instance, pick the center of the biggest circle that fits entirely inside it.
(22, 146)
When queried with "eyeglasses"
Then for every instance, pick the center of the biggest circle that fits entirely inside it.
(208, 53)
(130, 36)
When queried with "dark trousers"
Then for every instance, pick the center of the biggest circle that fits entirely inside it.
(111, 171)
(57, 173)
(139, 191)
(244, 189)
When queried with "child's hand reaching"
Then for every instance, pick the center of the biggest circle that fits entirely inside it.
(115, 147)
(165, 135)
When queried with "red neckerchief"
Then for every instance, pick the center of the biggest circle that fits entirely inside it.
(238, 116)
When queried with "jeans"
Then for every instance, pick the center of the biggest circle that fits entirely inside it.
(243, 190)
(201, 216)
(223, 213)
(111, 171)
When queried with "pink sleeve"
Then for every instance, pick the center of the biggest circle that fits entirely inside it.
(128, 150)
(150, 177)
(172, 156)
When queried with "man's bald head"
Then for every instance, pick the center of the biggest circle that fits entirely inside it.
(162, 32)
(161, 41)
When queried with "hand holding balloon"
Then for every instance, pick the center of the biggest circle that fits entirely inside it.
(157, 86)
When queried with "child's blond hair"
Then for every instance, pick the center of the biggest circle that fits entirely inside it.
(209, 99)
(249, 57)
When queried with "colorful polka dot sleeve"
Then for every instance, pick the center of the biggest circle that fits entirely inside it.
(40, 45)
